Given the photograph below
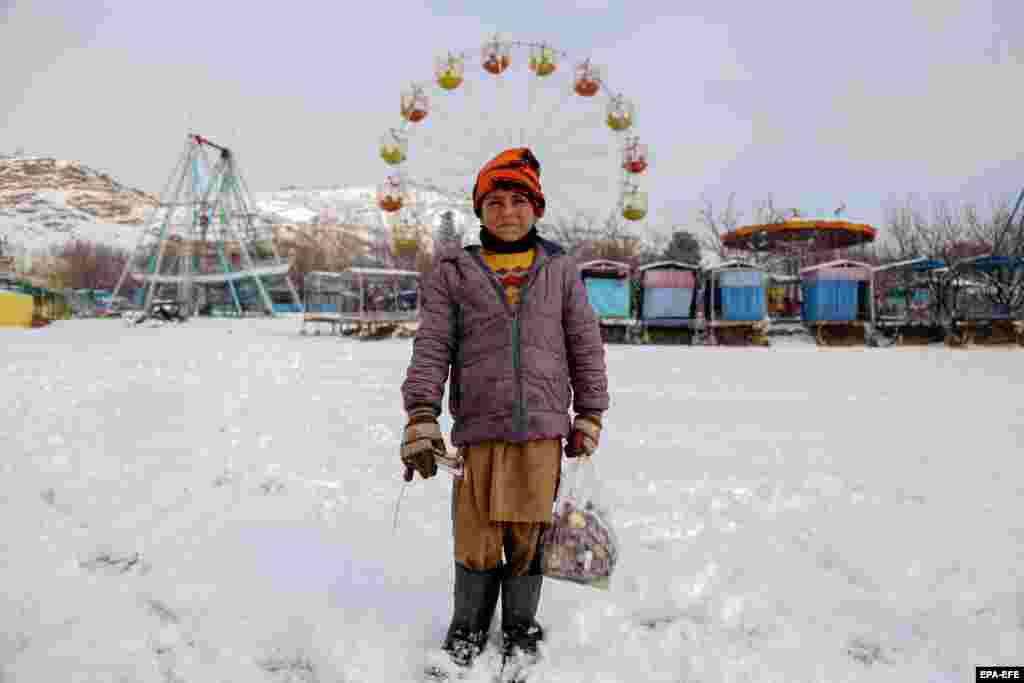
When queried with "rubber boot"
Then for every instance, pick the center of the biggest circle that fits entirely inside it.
(476, 596)
(521, 634)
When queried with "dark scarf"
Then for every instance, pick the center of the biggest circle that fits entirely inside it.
(493, 244)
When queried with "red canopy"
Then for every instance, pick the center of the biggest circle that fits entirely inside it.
(812, 233)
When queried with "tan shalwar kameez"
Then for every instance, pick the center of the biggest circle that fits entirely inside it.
(502, 504)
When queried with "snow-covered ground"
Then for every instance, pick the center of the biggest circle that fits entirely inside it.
(214, 502)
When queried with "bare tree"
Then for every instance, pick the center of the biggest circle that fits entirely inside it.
(683, 246)
(1002, 230)
(765, 212)
(319, 247)
(716, 223)
(447, 232)
(1003, 280)
(86, 265)
(955, 235)
(575, 232)
(653, 247)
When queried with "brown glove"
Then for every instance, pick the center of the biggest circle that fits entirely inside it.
(585, 436)
(421, 442)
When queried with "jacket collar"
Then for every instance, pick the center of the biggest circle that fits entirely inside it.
(544, 248)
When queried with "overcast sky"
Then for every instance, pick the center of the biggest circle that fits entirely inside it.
(814, 103)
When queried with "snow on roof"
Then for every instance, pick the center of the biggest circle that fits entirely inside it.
(990, 262)
(915, 263)
(735, 263)
(605, 264)
(839, 263)
(662, 264)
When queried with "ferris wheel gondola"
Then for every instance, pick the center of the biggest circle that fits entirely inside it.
(404, 147)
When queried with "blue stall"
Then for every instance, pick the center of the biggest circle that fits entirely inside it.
(735, 293)
(735, 304)
(607, 284)
(837, 301)
(610, 294)
(837, 291)
(668, 301)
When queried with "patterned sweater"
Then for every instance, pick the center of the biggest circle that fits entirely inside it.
(511, 269)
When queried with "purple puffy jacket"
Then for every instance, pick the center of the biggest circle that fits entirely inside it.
(513, 373)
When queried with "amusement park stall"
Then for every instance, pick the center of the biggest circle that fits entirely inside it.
(362, 301)
(906, 301)
(15, 309)
(735, 309)
(837, 301)
(988, 301)
(47, 304)
(668, 301)
(609, 292)
(784, 298)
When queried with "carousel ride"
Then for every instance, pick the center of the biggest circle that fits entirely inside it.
(205, 251)
(834, 298)
(507, 94)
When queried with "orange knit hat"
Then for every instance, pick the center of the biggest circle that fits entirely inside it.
(514, 167)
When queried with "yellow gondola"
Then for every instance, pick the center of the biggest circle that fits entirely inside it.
(543, 60)
(634, 205)
(621, 113)
(449, 71)
(393, 148)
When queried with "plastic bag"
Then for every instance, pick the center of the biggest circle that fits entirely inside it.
(580, 545)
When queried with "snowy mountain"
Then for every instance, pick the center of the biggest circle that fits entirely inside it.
(45, 202)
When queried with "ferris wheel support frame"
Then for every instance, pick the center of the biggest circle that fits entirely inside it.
(230, 188)
(142, 233)
(150, 286)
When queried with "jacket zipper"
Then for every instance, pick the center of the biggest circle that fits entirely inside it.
(517, 346)
(519, 415)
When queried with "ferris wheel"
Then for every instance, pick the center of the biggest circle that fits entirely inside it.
(510, 94)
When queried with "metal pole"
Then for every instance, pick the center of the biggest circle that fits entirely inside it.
(185, 260)
(871, 295)
(714, 282)
(273, 249)
(218, 203)
(1009, 220)
(236, 188)
(142, 235)
(154, 283)
(225, 266)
